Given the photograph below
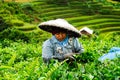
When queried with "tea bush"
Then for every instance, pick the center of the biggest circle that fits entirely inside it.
(24, 17)
(17, 22)
(4, 23)
(13, 34)
(22, 59)
(20, 52)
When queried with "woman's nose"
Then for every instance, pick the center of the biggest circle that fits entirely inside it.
(60, 35)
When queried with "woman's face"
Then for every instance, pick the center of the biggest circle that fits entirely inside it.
(60, 36)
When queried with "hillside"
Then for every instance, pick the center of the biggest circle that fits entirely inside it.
(92, 14)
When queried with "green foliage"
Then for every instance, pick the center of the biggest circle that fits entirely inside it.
(24, 17)
(4, 23)
(108, 2)
(20, 52)
(7, 10)
(12, 7)
(24, 60)
(105, 11)
(16, 9)
(38, 37)
(27, 7)
(23, 11)
(64, 2)
(17, 22)
(13, 34)
(16, 35)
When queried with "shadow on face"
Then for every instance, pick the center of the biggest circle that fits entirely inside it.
(61, 35)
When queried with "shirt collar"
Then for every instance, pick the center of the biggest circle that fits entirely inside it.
(54, 39)
(62, 42)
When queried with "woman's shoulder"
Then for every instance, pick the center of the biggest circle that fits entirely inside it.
(72, 38)
(47, 42)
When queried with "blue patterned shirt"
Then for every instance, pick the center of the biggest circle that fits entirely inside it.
(53, 47)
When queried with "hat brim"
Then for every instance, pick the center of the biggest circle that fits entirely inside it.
(55, 28)
(59, 24)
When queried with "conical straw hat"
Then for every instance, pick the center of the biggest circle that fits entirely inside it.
(59, 24)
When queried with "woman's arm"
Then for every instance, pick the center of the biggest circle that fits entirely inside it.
(47, 51)
(78, 46)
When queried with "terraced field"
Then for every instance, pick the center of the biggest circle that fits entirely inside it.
(21, 54)
(19, 0)
(74, 13)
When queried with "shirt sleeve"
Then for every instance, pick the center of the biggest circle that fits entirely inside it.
(47, 50)
(78, 46)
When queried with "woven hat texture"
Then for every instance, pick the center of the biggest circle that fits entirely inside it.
(59, 24)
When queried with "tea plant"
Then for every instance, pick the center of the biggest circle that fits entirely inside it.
(20, 52)
(21, 60)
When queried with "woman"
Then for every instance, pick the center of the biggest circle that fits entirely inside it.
(63, 44)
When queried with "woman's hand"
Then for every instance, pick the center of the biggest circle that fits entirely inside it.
(68, 55)
(65, 56)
